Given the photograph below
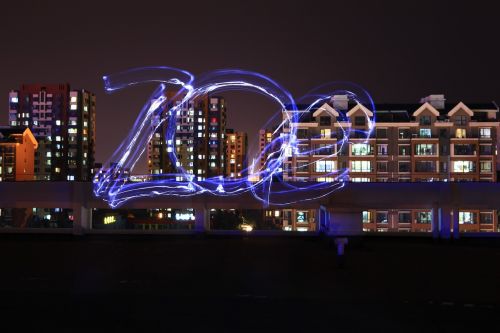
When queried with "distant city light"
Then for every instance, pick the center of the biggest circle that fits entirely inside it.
(246, 227)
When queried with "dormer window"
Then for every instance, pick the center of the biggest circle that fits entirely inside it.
(360, 121)
(325, 121)
(425, 120)
(461, 120)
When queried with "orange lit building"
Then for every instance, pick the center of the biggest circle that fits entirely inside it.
(17, 154)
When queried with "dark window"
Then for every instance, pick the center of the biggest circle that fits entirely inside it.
(325, 121)
(404, 133)
(461, 120)
(404, 217)
(466, 149)
(302, 133)
(425, 120)
(404, 150)
(425, 166)
(486, 218)
(485, 150)
(360, 121)
(381, 217)
(404, 166)
(381, 166)
(324, 149)
(381, 133)
(302, 166)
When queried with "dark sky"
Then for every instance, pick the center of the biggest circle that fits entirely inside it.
(398, 50)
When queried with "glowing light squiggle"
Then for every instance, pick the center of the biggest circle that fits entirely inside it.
(115, 186)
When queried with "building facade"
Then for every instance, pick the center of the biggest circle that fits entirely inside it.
(429, 141)
(199, 144)
(63, 122)
(236, 154)
(17, 154)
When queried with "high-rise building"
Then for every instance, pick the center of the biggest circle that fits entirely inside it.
(17, 154)
(236, 154)
(199, 143)
(265, 139)
(430, 141)
(63, 122)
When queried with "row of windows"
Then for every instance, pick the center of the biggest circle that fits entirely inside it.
(326, 166)
(403, 133)
(425, 217)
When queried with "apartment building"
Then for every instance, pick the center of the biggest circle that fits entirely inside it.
(199, 144)
(429, 141)
(63, 122)
(236, 154)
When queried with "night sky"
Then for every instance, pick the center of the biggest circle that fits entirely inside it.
(398, 51)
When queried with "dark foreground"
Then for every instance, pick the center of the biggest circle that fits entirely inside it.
(179, 284)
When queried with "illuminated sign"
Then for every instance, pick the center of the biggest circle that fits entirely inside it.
(184, 216)
(109, 219)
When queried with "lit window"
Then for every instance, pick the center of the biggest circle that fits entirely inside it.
(58, 138)
(367, 216)
(361, 166)
(464, 166)
(485, 133)
(465, 218)
(73, 107)
(325, 179)
(73, 99)
(424, 217)
(324, 166)
(326, 133)
(361, 149)
(360, 180)
(425, 149)
(461, 133)
(486, 166)
(58, 122)
(57, 170)
(14, 99)
(425, 133)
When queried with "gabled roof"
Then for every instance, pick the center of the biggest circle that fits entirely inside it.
(426, 106)
(325, 108)
(458, 107)
(31, 137)
(358, 107)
